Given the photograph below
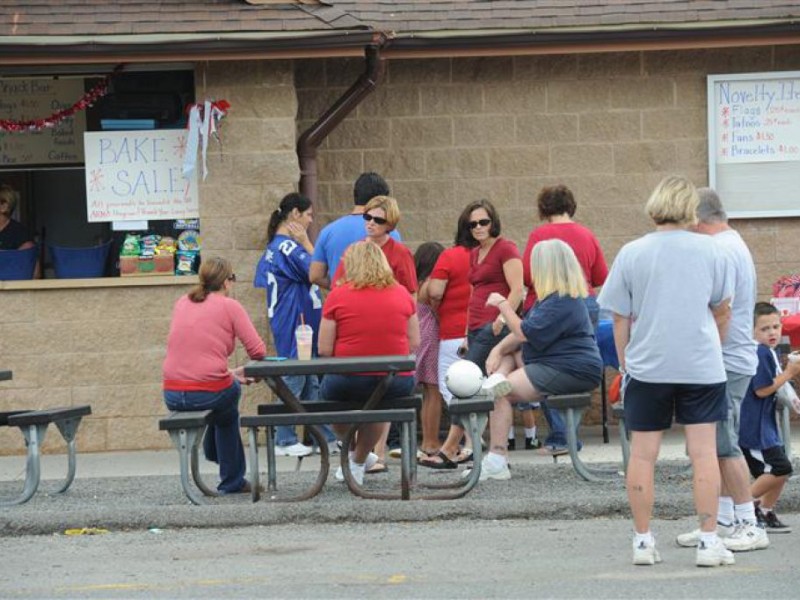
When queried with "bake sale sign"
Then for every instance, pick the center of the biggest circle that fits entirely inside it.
(137, 175)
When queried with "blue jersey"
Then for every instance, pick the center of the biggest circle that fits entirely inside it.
(758, 428)
(283, 271)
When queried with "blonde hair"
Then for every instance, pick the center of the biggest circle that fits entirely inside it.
(674, 201)
(555, 270)
(213, 273)
(365, 265)
(9, 197)
(389, 206)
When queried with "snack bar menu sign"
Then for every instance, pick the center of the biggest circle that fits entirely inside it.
(29, 99)
(137, 175)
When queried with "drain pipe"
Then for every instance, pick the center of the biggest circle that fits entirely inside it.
(312, 137)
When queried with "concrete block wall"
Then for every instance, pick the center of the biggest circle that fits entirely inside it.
(445, 132)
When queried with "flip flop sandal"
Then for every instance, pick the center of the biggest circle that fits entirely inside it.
(443, 463)
(376, 468)
(463, 456)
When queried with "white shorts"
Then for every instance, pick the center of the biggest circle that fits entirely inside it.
(448, 354)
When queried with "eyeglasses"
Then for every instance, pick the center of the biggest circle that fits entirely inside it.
(480, 223)
(378, 220)
(232, 277)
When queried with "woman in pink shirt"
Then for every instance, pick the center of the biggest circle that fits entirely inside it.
(205, 326)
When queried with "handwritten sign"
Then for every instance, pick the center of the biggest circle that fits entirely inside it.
(137, 175)
(25, 99)
(754, 143)
(757, 120)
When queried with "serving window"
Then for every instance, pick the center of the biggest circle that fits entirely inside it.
(99, 188)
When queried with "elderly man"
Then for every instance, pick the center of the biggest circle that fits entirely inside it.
(736, 517)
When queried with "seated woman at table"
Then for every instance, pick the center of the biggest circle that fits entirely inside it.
(366, 314)
(205, 326)
(551, 351)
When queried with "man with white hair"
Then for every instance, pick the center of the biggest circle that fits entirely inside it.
(736, 517)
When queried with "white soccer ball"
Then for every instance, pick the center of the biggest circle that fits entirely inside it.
(464, 379)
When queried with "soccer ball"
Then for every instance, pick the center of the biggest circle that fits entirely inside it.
(464, 379)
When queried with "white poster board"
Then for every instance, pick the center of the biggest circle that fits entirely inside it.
(754, 143)
(137, 175)
(30, 99)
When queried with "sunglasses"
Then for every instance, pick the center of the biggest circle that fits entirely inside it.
(232, 277)
(378, 220)
(480, 223)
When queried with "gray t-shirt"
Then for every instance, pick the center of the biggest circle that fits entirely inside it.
(667, 282)
(739, 348)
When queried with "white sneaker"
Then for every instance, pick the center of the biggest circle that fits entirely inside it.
(713, 555)
(691, 539)
(497, 385)
(489, 471)
(645, 554)
(297, 449)
(333, 448)
(371, 461)
(748, 536)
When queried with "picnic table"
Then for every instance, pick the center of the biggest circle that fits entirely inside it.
(273, 371)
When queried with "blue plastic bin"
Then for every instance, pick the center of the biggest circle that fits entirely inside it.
(18, 264)
(80, 263)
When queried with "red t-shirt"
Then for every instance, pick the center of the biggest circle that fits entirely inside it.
(370, 321)
(583, 243)
(401, 262)
(453, 267)
(487, 277)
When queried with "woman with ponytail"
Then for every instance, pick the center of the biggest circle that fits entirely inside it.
(202, 336)
(291, 300)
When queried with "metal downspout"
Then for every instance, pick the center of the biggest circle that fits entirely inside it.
(310, 140)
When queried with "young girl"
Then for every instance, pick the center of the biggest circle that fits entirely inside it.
(427, 372)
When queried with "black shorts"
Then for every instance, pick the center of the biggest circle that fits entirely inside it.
(772, 461)
(651, 406)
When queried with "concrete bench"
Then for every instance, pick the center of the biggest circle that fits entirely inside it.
(186, 430)
(407, 418)
(571, 408)
(33, 425)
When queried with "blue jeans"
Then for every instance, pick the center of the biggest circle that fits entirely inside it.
(558, 429)
(358, 388)
(304, 387)
(222, 443)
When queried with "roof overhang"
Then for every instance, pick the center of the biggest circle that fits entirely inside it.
(51, 50)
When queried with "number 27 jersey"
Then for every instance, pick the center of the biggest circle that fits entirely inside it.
(283, 271)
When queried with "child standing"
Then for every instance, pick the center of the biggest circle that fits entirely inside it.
(758, 427)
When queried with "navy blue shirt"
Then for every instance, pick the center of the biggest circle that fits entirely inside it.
(560, 335)
(758, 428)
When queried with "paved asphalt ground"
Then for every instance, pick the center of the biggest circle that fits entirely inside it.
(546, 533)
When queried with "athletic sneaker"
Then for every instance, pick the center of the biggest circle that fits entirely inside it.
(713, 555)
(512, 444)
(488, 471)
(748, 536)
(372, 459)
(691, 539)
(532, 443)
(497, 385)
(297, 449)
(645, 554)
(774, 525)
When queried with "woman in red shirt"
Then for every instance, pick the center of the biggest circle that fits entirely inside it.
(205, 326)
(367, 314)
(556, 205)
(381, 216)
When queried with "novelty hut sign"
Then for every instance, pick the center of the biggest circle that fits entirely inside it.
(137, 175)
